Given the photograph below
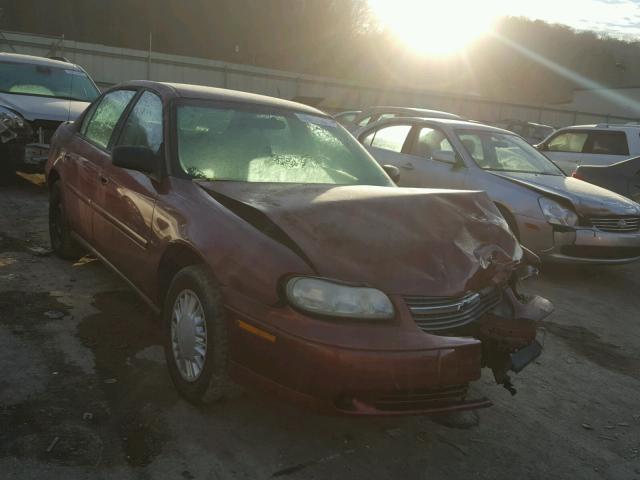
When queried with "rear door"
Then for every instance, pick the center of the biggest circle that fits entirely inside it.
(565, 149)
(126, 198)
(86, 156)
(387, 144)
(605, 148)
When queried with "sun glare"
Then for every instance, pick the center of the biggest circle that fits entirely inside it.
(435, 28)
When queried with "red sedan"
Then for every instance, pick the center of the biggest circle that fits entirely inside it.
(280, 255)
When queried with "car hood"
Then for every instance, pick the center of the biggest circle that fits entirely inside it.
(400, 240)
(587, 199)
(33, 107)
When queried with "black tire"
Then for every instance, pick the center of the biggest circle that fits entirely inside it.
(212, 384)
(7, 168)
(60, 238)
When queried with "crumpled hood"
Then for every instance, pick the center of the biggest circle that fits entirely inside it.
(587, 199)
(33, 107)
(401, 240)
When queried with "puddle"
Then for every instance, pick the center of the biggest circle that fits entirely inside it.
(590, 346)
(125, 414)
(137, 389)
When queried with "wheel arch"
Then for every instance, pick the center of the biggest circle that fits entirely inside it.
(510, 218)
(176, 256)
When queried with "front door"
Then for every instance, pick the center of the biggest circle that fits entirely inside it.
(126, 198)
(435, 163)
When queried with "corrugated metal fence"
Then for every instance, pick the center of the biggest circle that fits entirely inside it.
(110, 65)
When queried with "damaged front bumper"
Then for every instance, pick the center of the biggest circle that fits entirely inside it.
(26, 145)
(357, 369)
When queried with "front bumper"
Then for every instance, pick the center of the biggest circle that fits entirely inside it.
(593, 246)
(394, 371)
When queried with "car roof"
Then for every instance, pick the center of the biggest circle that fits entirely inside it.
(201, 92)
(347, 112)
(448, 122)
(603, 127)
(417, 111)
(33, 60)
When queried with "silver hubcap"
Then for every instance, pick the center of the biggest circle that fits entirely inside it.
(188, 335)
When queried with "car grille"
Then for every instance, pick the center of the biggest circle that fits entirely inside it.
(444, 313)
(617, 224)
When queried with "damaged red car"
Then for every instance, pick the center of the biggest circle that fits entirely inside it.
(281, 256)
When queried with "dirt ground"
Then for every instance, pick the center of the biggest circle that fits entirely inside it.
(84, 392)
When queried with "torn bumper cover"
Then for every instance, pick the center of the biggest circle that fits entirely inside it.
(389, 372)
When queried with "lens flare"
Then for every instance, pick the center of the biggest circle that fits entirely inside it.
(435, 28)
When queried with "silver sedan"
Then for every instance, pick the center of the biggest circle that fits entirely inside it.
(562, 219)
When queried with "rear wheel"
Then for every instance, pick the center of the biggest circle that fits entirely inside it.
(62, 243)
(196, 339)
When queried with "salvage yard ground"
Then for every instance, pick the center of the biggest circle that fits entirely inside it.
(84, 392)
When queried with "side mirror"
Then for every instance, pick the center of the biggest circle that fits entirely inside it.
(444, 156)
(141, 159)
(393, 172)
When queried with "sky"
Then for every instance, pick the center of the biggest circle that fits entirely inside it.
(619, 18)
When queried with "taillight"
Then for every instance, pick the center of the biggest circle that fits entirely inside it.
(577, 175)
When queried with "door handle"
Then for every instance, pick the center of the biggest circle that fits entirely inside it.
(407, 166)
(103, 180)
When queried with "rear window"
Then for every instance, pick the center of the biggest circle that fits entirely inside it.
(607, 143)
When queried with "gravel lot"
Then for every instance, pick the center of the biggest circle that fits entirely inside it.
(84, 391)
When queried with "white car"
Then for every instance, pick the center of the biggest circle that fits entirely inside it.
(36, 95)
(602, 144)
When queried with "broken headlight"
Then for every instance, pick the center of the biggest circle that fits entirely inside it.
(11, 125)
(557, 214)
(323, 297)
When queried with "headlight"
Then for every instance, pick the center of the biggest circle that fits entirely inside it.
(11, 119)
(12, 125)
(323, 297)
(557, 214)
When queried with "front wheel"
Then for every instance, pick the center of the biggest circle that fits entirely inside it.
(195, 338)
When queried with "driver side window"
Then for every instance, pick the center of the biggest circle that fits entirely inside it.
(143, 127)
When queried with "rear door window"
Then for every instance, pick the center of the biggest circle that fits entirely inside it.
(571, 142)
(607, 143)
(391, 138)
(99, 128)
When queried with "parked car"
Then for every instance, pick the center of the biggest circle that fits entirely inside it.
(602, 144)
(36, 95)
(347, 117)
(373, 114)
(622, 177)
(560, 218)
(281, 255)
(533, 133)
